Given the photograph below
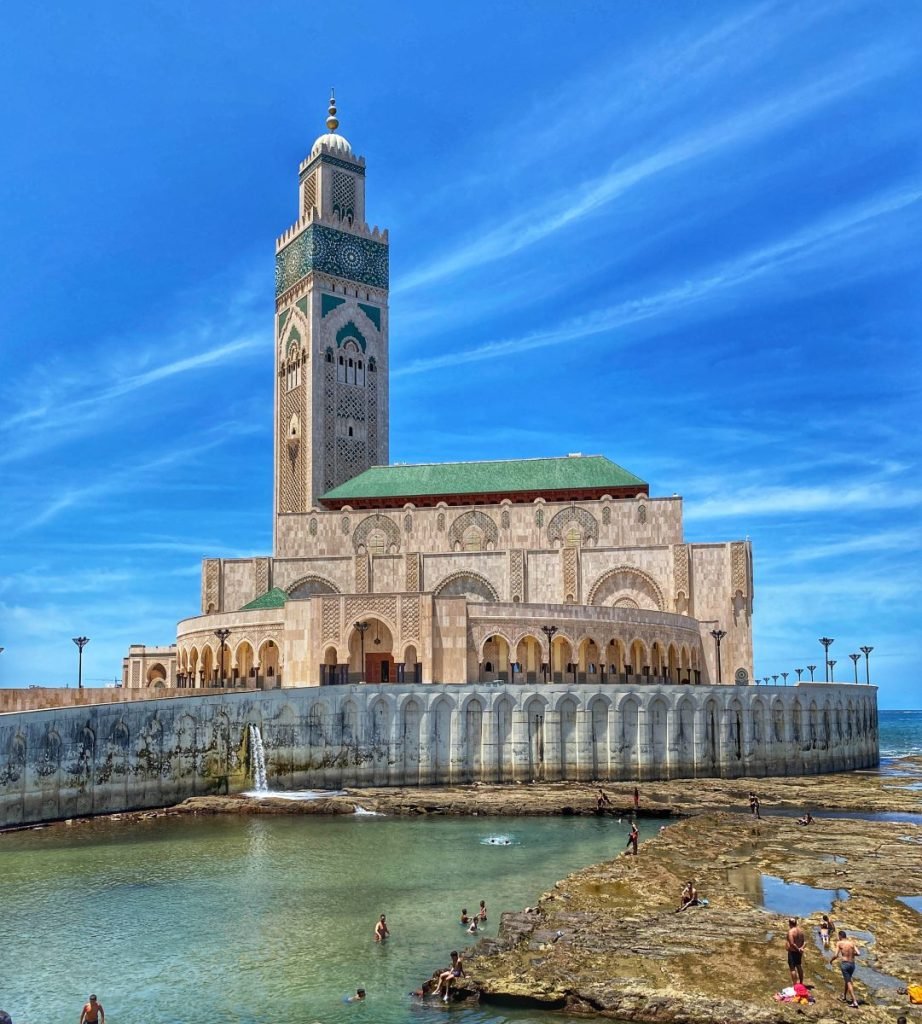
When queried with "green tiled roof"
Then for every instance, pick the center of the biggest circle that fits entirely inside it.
(274, 598)
(569, 473)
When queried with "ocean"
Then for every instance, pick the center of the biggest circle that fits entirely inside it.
(900, 733)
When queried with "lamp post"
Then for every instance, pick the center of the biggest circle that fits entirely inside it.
(81, 642)
(799, 672)
(718, 635)
(832, 664)
(549, 632)
(811, 669)
(222, 634)
(855, 658)
(361, 627)
(827, 642)
(765, 680)
(775, 680)
(784, 676)
(867, 668)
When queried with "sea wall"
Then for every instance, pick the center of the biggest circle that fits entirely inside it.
(33, 697)
(64, 762)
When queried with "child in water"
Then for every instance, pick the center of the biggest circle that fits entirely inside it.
(482, 913)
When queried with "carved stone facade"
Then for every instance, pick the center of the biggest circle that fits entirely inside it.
(452, 587)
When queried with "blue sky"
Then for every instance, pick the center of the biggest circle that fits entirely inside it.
(684, 236)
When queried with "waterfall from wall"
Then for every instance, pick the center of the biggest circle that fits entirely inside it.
(258, 755)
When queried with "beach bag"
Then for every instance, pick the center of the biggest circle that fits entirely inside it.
(915, 993)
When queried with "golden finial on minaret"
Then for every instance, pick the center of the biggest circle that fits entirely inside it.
(332, 121)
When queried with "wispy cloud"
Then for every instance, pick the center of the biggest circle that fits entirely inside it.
(715, 282)
(755, 502)
(584, 199)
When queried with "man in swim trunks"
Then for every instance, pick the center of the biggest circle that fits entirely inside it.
(381, 929)
(846, 951)
(794, 943)
(93, 1013)
(447, 977)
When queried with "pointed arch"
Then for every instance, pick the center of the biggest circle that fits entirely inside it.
(473, 519)
(627, 582)
(467, 584)
(570, 517)
(308, 586)
(380, 524)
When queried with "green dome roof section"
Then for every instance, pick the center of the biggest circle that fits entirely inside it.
(274, 598)
(535, 477)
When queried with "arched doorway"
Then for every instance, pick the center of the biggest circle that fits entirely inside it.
(562, 665)
(269, 667)
(528, 656)
(244, 662)
(494, 661)
(374, 644)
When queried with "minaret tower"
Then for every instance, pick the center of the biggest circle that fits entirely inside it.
(331, 350)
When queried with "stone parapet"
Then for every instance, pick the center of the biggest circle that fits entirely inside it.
(63, 762)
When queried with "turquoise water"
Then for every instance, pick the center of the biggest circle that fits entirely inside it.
(266, 920)
(900, 733)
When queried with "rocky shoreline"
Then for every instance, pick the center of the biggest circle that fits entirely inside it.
(606, 941)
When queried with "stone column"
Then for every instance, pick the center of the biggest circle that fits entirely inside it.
(488, 746)
(552, 751)
(583, 740)
(520, 744)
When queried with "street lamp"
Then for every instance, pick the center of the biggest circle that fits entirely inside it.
(765, 680)
(549, 632)
(826, 641)
(775, 680)
(784, 676)
(832, 664)
(855, 658)
(799, 672)
(361, 627)
(812, 669)
(81, 642)
(867, 668)
(222, 634)
(718, 635)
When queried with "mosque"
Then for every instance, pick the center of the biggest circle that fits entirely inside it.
(536, 571)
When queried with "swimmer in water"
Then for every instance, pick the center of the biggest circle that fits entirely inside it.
(381, 929)
(358, 997)
(482, 913)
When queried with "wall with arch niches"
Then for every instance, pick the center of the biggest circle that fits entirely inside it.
(64, 762)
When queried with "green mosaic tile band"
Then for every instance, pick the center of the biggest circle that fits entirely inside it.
(333, 252)
(322, 159)
(283, 319)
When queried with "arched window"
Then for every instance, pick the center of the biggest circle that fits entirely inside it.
(572, 537)
(377, 542)
(341, 370)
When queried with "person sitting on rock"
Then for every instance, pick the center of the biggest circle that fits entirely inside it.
(689, 897)
(807, 819)
(448, 976)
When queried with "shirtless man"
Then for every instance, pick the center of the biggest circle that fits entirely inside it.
(381, 929)
(846, 951)
(794, 944)
(447, 977)
(689, 897)
(93, 1013)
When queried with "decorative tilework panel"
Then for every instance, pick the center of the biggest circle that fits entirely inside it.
(343, 194)
(361, 573)
(573, 516)
(350, 403)
(376, 523)
(329, 302)
(373, 313)
(282, 320)
(334, 252)
(310, 194)
(348, 331)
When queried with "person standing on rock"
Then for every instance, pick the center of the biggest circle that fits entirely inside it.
(846, 951)
(795, 943)
(632, 839)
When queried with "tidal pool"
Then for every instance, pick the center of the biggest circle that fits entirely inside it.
(796, 899)
(267, 920)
